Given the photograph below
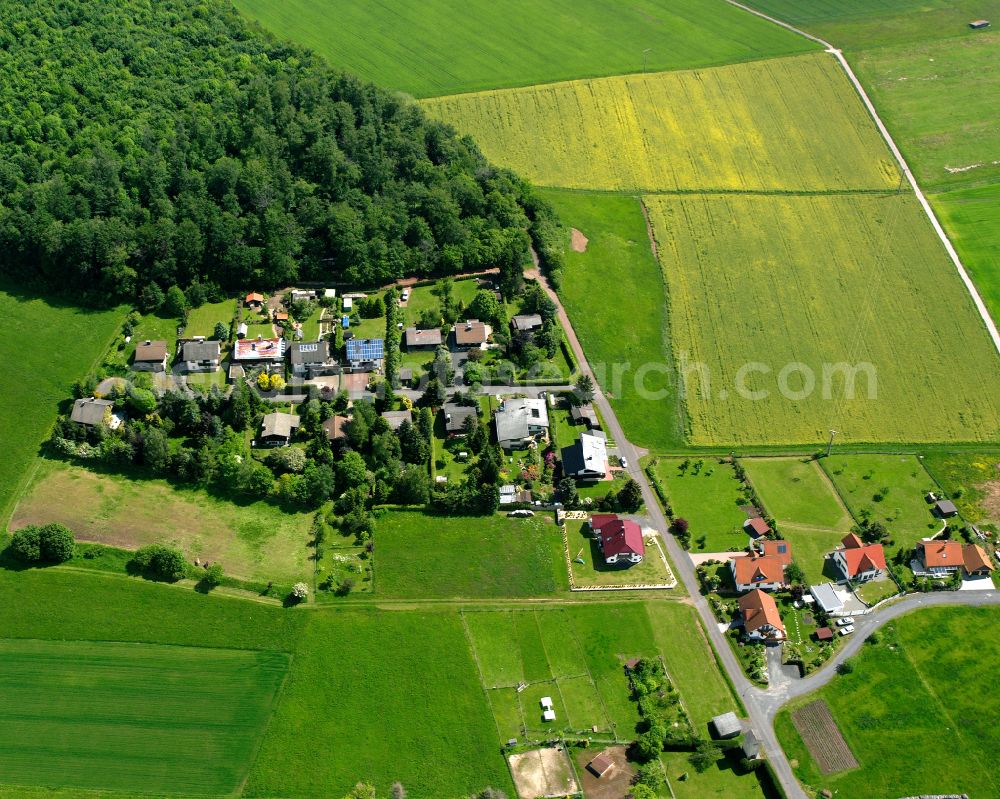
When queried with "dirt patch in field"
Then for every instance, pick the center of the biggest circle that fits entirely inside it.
(991, 500)
(543, 772)
(823, 738)
(578, 241)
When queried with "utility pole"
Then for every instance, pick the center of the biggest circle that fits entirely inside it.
(644, 54)
(829, 446)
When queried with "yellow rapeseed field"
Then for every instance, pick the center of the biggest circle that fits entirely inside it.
(790, 124)
(764, 291)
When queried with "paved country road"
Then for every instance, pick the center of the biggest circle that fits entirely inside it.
(762, 704)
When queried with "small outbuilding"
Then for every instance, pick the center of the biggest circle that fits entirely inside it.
(751, 746)
(823, 634)
(727, 725)
(945, 508)
(979, 24)
(757, 527)
(600, 765)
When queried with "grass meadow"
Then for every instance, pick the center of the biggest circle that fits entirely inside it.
(709, 498)
(621, 322)
(903, 510)
(630, 133)
(421, 555)
(380, 697)
(202, 320)
(133, 717)
(430, 50)
(55, 345)
(820, 283)
(972, 481)
(253, 541)
(914, 711)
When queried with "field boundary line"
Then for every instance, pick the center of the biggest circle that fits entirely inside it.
(271, 712)
(482, 680)
(977, 300)
(833, 489)
(583, 653)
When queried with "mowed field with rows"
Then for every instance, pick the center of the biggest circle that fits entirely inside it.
(437, 47)
(791, 124)
(133, 717)
(821, 281)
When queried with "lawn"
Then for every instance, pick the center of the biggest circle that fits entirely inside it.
(621, 320)
(380, 697)
(972, 219)
(839, 290)
(709, 498)
(595, 572)
(914, 711)
(721, 781)
(202, 320)
(859, 478)
(423, 298)
(430, 49)
(256, 541)
(446, 453)
(810, 548)
(420, 555)
(56, 345)
(972, 481)
(133, 717)
(796, 490)
(630, 133)
(153, 327)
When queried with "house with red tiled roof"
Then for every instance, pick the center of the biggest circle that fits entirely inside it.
(764, 567)
(761, 619)
(858, 561)
(975, 560)
(941, 558)
(620, 540)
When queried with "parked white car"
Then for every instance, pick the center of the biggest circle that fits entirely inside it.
(845, 621)
(847, 630)
(624, 463)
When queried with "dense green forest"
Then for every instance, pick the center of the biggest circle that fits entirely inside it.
(172, 143)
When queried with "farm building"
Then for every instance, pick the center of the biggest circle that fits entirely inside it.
(761, 619)
(586, 458)
(620, 540)
(471, 334)
(277, 429)
(150, 356)
(417, 339)
(859, 561)
(727, 725)
(201, 356)
(757, 527)
(91, 412)
(520, 421)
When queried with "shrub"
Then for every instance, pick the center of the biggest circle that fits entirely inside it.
(50, 543)
(159, 562)
(845, 668)
(25, 545)
(299, 592)
(213, 575)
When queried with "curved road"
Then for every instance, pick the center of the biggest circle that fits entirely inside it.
(762, 704)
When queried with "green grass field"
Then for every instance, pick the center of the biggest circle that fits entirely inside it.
(856, 24)
(419, 555)
(56, 345)
(972, 219)
(620, 342)
(903, 509)
(430, 49)
(795, 490)
(709, 499)
(744, 127)
(254, 541)
(779, 313)
(202, 320)
(380, 697)
(972, 481)
(133, 717)
(915, 711)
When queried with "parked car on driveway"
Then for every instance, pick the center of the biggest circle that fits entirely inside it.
(845, 621)
(847, 630)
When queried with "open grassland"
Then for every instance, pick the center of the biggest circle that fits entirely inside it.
(133, 717)
(915, 711)
(972, 481)
(744, 127)
(940, 99)
(796, 491)
(380, 697)
(972, 219)
(856, 24)
(49, 346)
(709, 498)
(618, 272)
(900, 481)
(202, 320)
(420, 555)
(254, 541)
(813, 317)
(438, 48)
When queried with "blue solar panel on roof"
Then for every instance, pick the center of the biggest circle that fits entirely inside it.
(366, 349)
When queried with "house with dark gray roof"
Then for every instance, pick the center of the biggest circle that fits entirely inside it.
(396, 418)
(455, 416)
(526, 323)
(93, 412)
(150, 356)
(201, 356)
(277, 429)
(312, 359)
